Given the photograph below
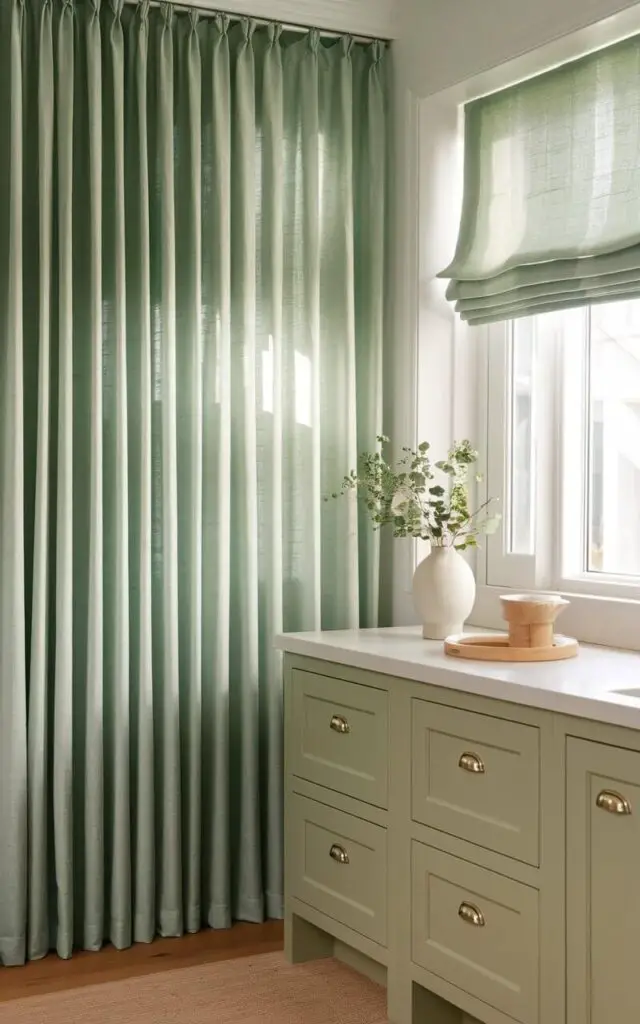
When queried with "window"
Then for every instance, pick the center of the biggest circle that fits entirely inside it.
(546, 433)
(563, 450)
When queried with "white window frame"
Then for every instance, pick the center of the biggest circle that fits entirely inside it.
(560, 500)
(573, 505)
(604, 608)
(452, 360)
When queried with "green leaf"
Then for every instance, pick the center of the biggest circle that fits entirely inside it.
(491, 524)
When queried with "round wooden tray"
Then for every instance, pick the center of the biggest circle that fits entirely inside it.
(496, 648)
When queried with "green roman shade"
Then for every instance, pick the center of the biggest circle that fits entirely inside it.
(551, 204)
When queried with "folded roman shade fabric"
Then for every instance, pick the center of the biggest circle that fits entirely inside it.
(551, 204)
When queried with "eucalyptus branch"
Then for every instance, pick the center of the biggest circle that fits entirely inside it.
(418, 498)
(473, 517)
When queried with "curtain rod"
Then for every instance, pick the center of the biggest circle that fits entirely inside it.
(186, 5)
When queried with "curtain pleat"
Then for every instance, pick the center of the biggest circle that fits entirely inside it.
(39, 674)
(192, 227)
(243, 703)
(371, 253)
(117, 547)
(190, 448)
(216, 319)
(165, 497)
(270, 274)
(302, 88)
(63, 631)
(13, 692)
(91, 797)
(140, 367)
(342, 605)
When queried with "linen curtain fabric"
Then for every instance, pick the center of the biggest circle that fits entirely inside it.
(551, 207)
(191, 308)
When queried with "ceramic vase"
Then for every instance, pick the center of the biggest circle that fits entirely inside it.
(443, 592)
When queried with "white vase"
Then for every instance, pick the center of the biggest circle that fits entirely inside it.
(443, 592)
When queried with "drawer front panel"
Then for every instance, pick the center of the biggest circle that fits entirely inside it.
(603, 883)
(477, 930)
(340, 736)
(477, 777)
(338, 865)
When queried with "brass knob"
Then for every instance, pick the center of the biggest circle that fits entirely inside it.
(613, 803)
(471, 763)
(339, 724)
(339, 854)
(471, 915)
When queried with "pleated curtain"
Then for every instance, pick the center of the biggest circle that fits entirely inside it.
(551, 207)
(192, 236)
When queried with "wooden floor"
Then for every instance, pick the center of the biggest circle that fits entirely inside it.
(54, 975)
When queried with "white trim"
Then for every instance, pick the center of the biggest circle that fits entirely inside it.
(503, 567)
(560, 389)
(572, 505)
(400, 377)
(561, 528)
(376, 18)
(446, 360)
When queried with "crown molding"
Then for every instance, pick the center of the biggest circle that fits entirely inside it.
(376, 18)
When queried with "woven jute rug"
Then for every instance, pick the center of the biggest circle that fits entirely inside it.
(256, 990)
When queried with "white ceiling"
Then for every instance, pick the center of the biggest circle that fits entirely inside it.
(376, 18)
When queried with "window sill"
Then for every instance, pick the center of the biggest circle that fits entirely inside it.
(607, 621)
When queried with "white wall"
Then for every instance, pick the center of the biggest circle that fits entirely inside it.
(443, 42)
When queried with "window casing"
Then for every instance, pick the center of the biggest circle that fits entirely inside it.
(563, 451)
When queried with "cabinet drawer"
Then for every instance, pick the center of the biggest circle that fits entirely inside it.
(338, 865)
(340, 736)
(603, 883)
(477, 930)
(477, 777)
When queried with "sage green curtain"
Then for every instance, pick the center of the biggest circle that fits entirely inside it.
(191, 313)
(551, 208)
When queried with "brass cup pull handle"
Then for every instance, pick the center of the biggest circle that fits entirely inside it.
(339, 854)
(339, 724)
(470, 914)
(613, 802)
(471, 763)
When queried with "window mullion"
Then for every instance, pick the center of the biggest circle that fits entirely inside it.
(547, 430)
(505, 568)
(572, 464)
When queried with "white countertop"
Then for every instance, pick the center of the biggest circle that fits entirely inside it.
(582, 686)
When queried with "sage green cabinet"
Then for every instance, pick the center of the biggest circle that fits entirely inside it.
(477, 929)
(483, 857)
(339, 732)
(338, 865)
(603, 884)
(476, 777)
